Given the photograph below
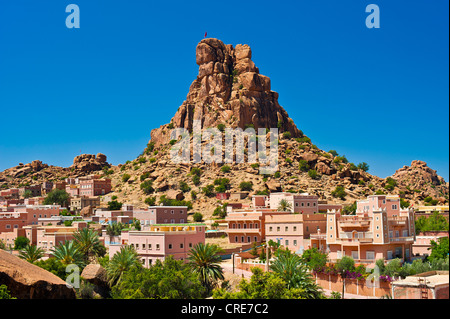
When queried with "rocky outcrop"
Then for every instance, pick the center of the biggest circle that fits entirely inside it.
(422, 180)
(28, 281)
(228, 90)
(87, 163)
(96, 275)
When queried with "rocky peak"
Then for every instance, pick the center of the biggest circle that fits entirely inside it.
(228, 90)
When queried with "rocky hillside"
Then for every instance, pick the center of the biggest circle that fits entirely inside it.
(37, 172)
(230, 92)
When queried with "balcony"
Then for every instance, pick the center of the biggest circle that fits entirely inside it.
(243, 230)
(318, 236)
(354, 222)
(401, 239)
(397, 221)
(353, 237)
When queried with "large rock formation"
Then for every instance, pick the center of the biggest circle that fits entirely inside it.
(228, 90)
(89, 163)
(424, 180)
(28, 281)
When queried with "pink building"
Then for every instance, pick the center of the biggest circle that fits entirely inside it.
(94, 187)
(293, 231)
(380, 229)
(248, 226)
(162, 215)
(299, 203)
(161, 241)
(47, 237)
(422, 245)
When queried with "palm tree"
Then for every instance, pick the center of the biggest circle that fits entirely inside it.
(87, 241)
(205, 262)
(122, 261)
(31, 253)
(284, 206)
(290, 268)
(68, 253)
(114, 230)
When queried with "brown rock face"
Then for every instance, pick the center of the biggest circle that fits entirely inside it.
(228, 90)
(419, 176)
(89, 163)
(27, 281)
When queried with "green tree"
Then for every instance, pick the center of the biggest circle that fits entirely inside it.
(262, 285)
(114, 205)
(88, 243)
(246, 186)
(54, 266)
(68, 253)
(122, 261)
(291, 269)
(170, 279)
(284, 206)
(313, 174)
(363, 166)
(4, 293)
(57, 196)
(31, 253)
(221, 211)
(205, 261)
(339, 192)
(198, 217)
(303, 165)
(439, 250)
(343, 266)
(147, 187)
(21, 242)
(314, 259)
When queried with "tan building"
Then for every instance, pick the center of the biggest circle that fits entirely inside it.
(380, 229)
(78, 203)
(428, 285)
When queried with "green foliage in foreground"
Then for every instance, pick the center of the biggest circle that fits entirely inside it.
(168, 279)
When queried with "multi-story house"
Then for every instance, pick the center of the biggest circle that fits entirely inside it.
(162, 240)
(380, 229)
(162, 215)
(94, 186)
(78, 203)
(293, 231)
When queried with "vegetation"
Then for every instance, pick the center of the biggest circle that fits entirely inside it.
(284, 206)
(205, 262)
(390, 184)
(147, 187)
(339, 192)
(31, 253)
(435, 222)
(246, 186)
(170, 279)
(166, 201)
(114, 205)
(313, 174)
(125, 259)
(363, 166)
(197, 217)
(21, 242)
(68, 253)
(57, 196)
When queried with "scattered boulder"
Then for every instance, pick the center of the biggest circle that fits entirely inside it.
(27, 281)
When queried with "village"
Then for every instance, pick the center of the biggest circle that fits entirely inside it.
(378, 229)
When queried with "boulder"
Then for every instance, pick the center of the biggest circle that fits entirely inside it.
(96, 275)
(27, 281)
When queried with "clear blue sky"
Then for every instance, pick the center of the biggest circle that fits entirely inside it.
(375, 95)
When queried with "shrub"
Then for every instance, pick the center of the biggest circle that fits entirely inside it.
(114, 205)
(125, 177)
(246, 186)
(287, 135)
(225, 169)
(339, 192)
(208, 190)
(313, 174)
(144, 176)
(198, 217)
(303, 165)
(363, 166)
(147, 187)
(172, 142)
(333, 152)
(184, 187)
(221, 127)
(150, 201)
(196, 180)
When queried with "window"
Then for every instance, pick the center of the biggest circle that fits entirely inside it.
(278, 228)
(397, 233)
(8, 226)
(389, 254)
(286, 228)
(143, 246)
(405, 233)
(370, 255)
(295, 242)
(157, 246)
(286, 243)
(248, 239)
(394, 206)
(181, 245)
(303, 204)
(307, 228)
(172, 211)
(182, 220)
(270, 228)
(170, 246)
(242, 239)
(295, 228)
(255, 238)
(296, 204)
(236, 239)
(137, 246)
(307, 204)
(314, 204)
